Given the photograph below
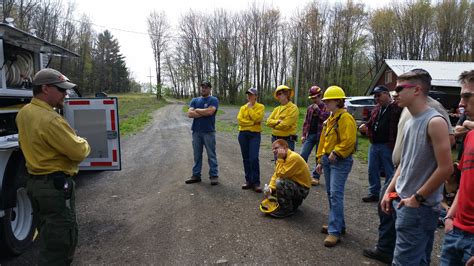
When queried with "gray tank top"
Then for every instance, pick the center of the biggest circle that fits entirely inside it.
(418, 161)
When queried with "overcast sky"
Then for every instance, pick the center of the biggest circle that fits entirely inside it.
(124, 17)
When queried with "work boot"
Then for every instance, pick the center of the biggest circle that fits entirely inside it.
(324, 230)
(246, 186)
(371, 198)
(214, 180)
(257, 189)
(376, 254)
(314, 182)
(331, 241)
(193, 179)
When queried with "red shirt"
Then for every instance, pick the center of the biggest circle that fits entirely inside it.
(464, 219)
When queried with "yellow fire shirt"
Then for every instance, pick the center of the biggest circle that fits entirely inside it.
(48, 143)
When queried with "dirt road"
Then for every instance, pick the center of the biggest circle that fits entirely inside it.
(146, 214)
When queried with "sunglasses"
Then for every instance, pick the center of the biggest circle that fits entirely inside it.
(399, 88)
(466, 95)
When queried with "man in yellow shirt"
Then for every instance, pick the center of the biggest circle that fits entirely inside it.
(283, 119)
(250, 119)
(53, 152)
(291, 180)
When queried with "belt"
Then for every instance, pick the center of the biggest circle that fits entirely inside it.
(46, 176)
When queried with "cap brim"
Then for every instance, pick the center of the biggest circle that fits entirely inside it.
(65, 85)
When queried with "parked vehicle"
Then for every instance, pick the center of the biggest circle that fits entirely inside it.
(21, 56)
(360, 107)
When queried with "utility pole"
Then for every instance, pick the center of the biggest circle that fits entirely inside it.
(298, 54)
(150, 76)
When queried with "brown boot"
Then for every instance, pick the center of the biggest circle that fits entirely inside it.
(324, 230)
(331, 241)
(314, 182)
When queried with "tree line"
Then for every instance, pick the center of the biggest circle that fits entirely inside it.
(342, 43)
(100, 66)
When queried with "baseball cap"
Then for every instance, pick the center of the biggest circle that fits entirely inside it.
(380, 89)
(252, 91)
(49, 76)
(206, 84)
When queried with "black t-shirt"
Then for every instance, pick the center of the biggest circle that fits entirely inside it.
(313, 127)
(381, 127)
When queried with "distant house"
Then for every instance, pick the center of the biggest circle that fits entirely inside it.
(445, 86)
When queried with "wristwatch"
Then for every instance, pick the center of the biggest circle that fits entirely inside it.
(419, 198)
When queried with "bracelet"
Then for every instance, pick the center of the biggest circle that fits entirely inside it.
(448, 218)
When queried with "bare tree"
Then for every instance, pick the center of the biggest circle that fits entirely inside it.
(158, 30)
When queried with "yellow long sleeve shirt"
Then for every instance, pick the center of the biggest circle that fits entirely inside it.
(338, 136)
(48, 143)
(288, 114)
(293, 167)
(250, 118)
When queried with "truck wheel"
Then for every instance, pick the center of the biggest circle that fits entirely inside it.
(17, 226)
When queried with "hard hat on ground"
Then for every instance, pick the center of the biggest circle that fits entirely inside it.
(269, 205)
(282, 88)
(334, 92)
(314, 92)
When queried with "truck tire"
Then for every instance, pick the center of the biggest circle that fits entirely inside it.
(17, 226)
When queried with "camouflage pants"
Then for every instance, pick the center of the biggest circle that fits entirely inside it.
(55, 215)
(290, 195)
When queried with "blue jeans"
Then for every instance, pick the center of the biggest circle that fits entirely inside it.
(380, 155)
(387, 233)
(250, 147)
(458, 247)
(207, 139)
(415, 234)
(336, 175)
(311, 141)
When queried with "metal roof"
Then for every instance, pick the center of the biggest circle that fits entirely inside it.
(444, 74)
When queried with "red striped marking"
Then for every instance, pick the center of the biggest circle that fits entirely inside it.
(109, 102)
(112, 119)
(101, 163)
(114, 155)
(79, 102)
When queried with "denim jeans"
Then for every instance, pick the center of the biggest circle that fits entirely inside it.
(250, 147)
(387, 233)
(415, 234)
(380, 156)
(457, 248)
(311, 141)
(336, 175)
(208, 140)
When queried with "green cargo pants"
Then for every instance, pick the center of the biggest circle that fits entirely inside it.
(55, 214)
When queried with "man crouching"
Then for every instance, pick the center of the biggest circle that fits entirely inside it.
(291, 180)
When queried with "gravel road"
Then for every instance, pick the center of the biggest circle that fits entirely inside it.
(146, 214)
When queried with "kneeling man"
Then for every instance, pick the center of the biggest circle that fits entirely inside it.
(291, 180)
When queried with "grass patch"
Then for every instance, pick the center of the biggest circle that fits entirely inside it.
(135, 111)
(363, 143)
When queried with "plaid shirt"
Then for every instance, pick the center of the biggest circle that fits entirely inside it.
(394, 112)
(321, 112)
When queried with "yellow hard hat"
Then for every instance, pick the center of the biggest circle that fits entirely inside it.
(283, 87)
(334, 92)
(269, 205)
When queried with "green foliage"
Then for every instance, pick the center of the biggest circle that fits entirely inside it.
(135, 111)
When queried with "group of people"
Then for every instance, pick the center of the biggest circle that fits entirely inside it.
(328, 126)
(411, 139)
